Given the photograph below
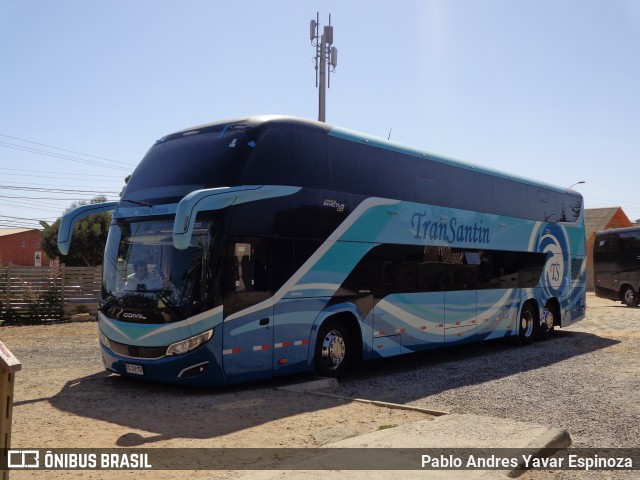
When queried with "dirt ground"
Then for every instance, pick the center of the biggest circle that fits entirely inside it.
(65, 399)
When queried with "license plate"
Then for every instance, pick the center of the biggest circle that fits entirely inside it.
(134, 369)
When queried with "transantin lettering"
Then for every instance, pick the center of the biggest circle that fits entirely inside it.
(450, 231)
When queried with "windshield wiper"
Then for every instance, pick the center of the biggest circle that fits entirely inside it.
(163, 296)
(144, 204)
(107, 303)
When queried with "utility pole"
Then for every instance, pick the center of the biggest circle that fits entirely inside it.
(325, 53)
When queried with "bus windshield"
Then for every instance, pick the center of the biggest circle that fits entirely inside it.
(146, 279)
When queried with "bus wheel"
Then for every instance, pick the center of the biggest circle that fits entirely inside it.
(333, 351)
(547, 322)
(526, 326)
(629, 297)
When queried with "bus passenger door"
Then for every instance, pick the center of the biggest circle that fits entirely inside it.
(248, 312)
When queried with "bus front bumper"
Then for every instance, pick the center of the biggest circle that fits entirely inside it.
(200, 366)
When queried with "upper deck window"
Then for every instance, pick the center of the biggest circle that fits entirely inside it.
(173, 168)
(289, 157)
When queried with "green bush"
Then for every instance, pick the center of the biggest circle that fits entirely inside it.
(41, 304)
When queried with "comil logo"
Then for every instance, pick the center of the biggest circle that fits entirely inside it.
(135, 316)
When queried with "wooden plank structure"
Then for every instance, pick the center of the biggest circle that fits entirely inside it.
(21, 288)
(9, 365)
(81, 289)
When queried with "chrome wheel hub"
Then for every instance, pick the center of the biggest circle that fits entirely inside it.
(629, 297)
(547, 319)
(333, 350)
(526, 324)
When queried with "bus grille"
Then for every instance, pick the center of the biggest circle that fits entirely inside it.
(137, 352)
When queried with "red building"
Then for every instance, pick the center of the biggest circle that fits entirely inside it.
(21, 246)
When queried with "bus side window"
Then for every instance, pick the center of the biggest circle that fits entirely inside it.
(242, 267)
(249, 271)
(388, 273)
(629, 243)
(246, 274)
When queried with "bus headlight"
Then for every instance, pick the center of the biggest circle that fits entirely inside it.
(104, 340)
(189, 344)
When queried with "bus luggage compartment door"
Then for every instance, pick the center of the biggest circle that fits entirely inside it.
(497, 313)
(417, 317)
(387, 346)
(460, 315)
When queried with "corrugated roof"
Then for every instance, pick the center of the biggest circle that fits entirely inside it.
(596, 219)
(13, 231)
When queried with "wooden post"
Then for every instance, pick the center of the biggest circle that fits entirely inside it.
(63, 274)
(8, 302)
(9, 364)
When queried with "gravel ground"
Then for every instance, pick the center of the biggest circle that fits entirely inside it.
(585, 380)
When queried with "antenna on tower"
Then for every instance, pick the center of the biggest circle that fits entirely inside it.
(325, 53)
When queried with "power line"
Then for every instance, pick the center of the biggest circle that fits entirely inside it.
(37, 202)
(65, 199)
(67, 177)
(617, 202)
(60, 173)
(56, 190)
(62, 156)
(28, 199)
(20, 218)
(39, 185)
(45, 185)
(31, 206)
(62, 149)
(16, 225)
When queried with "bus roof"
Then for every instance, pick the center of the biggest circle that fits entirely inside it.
(617, 231)
(366, 139)
(283, 150)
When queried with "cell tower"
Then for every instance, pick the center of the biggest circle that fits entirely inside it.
(325, 53)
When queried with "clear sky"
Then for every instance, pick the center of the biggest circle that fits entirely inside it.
(544, 89)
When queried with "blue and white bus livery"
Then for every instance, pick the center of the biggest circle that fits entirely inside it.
(281, 245)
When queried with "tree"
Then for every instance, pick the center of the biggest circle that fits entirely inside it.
(89, 238)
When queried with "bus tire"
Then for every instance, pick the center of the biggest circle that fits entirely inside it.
(526, 325)
(548, 320)
(333, 352)
(629, 297)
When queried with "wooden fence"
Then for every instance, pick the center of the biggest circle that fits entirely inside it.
(24, 290)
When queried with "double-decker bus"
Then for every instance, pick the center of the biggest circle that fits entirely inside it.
(266, 246)
(616, 265)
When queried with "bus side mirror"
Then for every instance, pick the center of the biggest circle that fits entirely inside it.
(216, 199)
(65, 231)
